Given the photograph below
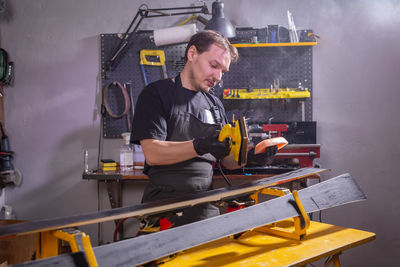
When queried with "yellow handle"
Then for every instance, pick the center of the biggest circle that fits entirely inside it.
(158, 53)
(235, 142)
(226, 131)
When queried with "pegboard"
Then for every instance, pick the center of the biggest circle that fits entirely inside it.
(129, 72)
(257, 68)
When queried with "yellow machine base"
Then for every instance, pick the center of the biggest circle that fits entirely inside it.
(258, 249)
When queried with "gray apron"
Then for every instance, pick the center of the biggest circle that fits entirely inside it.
(191, 176)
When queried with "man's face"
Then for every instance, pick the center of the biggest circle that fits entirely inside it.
(208, 67)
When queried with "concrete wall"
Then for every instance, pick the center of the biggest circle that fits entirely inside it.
(52, 116)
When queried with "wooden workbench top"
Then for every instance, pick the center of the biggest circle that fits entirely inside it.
(138, 175)
(259, 249)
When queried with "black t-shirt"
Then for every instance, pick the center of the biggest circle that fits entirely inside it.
(166, 111)
(154, 105)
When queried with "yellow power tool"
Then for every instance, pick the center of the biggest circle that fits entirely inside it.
(238, 139)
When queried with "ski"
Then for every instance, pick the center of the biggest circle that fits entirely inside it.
(331, 193)
(154, 207)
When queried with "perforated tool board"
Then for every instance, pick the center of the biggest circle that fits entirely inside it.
(257, 67)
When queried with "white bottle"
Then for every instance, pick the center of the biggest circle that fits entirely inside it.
(126, 154)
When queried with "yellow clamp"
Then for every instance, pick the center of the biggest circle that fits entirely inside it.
(47, 244)
(275, 191)
(156, 53)
(303, 212)
(299, 230)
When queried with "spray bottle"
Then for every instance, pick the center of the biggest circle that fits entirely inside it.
(126, 153)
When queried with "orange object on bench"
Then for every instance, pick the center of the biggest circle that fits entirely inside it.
(276, 141)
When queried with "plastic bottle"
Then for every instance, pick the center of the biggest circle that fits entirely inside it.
(126, 154)
(138, 157)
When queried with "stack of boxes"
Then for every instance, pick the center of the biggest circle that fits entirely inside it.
(108, 165)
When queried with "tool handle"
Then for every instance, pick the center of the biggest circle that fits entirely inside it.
(146, 81)
(226, 132)
(238, 139)
(147, 52)
(229, 132)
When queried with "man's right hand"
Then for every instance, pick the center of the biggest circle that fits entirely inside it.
(210, 144)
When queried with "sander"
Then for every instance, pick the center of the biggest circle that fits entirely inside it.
(238, 135)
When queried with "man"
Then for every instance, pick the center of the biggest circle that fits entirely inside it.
(177, 123)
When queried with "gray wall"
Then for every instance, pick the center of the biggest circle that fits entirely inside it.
(52, 109)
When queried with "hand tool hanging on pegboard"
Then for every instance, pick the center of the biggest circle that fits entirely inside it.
(145, 59)
(108, 107)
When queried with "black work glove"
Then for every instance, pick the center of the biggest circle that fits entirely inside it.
(261, 159)
(210, 144)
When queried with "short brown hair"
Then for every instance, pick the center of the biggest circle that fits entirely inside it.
(202, 41)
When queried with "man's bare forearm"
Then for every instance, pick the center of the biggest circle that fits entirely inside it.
(167, 152)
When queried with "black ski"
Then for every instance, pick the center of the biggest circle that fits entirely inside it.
(331, 193)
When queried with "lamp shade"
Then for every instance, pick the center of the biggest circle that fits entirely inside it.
(218, 22)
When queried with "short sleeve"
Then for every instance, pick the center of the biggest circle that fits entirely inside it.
(150, 118)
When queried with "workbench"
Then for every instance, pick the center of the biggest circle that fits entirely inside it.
(138, 175)
(255, 248)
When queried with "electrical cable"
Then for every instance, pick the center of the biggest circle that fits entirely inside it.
(99, 153)
(320, 212)
(3, 134)
(120, 222)
(129, 89)
(128, 121)
(98, 209)
(223, 175)
(126, 100)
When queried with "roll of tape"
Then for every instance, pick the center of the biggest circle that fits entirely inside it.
(174, 35)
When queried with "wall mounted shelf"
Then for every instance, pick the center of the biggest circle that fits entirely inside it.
(275, 44)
